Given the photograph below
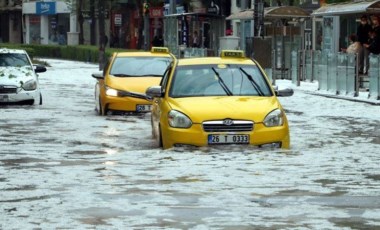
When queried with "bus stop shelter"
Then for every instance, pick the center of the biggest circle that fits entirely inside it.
(283, 31)
(179, 29)
(333, 23)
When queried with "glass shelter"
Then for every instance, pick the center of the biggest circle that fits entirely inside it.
(193, 34)
(283, 30)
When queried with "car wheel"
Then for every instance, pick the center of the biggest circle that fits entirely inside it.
(160, 143)
(104, 111)
(40, 99)
(98, 107)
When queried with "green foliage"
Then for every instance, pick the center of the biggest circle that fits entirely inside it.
(29, 50)
(83, 53)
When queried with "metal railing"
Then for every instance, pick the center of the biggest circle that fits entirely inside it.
(336, 73)
(374, 77)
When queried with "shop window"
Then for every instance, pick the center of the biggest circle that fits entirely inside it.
(35, 29)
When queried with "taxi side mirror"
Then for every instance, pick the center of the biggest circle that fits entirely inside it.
(98, 76)
(287, 92)
(154, 91)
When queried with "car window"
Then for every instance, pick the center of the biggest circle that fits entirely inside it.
(14, 60)
(219, 80)
(139, 66)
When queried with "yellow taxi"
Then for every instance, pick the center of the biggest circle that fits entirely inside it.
(222, 100)
(122, 84)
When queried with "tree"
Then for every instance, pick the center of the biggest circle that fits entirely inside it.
(80, 21)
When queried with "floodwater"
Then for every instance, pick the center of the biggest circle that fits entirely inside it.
(62, 166)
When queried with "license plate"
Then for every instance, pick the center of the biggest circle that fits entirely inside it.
(3, 98)
(143, 108)
(228, 139)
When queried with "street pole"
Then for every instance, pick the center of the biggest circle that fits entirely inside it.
(146, 27)
(172, 7)
(258, 18)
(102, 35)
(242, 27)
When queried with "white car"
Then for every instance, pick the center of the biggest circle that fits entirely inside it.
(18, 78)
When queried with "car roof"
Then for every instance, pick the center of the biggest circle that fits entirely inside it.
(214, 60)
(6, 50)
(141, 54)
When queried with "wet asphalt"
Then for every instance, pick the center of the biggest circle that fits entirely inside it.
(64, 167)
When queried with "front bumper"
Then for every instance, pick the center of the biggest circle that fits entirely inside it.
(196, 136)
(20, 97)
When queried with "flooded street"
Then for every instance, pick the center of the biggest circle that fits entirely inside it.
(64, 167)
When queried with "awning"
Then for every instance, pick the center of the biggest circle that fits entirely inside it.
(276, 12)
(369, 7)
(242, 15)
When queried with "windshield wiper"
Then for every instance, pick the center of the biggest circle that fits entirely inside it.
(127, 75)
(150, 75)
(253, 82)
(221, 82)
(122, 75)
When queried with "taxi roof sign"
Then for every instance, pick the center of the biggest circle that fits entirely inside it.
(160, 50)
(232, 53)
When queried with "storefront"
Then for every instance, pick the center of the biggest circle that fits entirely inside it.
(126, 22)
(124, 28)
(10, 21)
(47, 23)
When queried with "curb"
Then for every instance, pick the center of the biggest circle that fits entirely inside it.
(344, 98)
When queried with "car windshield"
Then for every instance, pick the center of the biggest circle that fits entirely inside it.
(13, 60)
(219, 80)
(139, 66)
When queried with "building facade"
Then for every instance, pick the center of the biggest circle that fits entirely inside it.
(49, 22)
(11, 21)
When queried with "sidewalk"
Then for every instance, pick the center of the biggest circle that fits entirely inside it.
(312, 88)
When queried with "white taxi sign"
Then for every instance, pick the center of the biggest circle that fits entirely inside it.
(232, 53)
(160, 50)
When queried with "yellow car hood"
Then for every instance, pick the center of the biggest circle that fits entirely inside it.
(200, 109)
(132, 84)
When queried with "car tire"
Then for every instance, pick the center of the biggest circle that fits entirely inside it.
(160, 143)
(104, 111)
(99, 110)
(40, 103)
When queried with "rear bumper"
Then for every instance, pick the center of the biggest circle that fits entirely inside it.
(126, 104)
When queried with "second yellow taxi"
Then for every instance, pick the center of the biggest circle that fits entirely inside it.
(125, 78)
(218, 100)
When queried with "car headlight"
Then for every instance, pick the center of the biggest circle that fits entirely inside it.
(274, 118)
(179, 120)
(112, 92)
(30, 85)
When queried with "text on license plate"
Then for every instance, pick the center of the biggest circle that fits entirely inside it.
(228, 139)
(143, 108)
